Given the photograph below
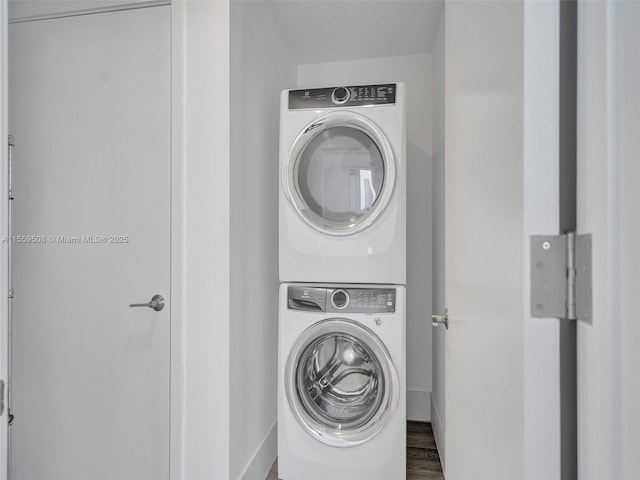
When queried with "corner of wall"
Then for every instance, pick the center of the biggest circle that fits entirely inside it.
(439, 434)
(262, 459)
(260, 69)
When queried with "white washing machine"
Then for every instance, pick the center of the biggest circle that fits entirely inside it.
(341, 382)
(343, 185)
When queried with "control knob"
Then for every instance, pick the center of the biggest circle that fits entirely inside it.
(340, 95)
(340, 298)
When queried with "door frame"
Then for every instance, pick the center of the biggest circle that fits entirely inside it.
(4, 224)
(607, 148)
(176, 375)
(200, 243)
(176, 396)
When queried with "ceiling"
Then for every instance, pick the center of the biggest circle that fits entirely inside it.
(320, 31)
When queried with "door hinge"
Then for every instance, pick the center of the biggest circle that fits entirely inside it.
(561, 276)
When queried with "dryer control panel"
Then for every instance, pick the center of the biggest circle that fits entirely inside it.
(343, 96)
(353, 300)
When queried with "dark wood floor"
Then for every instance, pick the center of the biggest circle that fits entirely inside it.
(423, 461)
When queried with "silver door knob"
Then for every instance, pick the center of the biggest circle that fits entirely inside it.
(441, 319)
(156, 302)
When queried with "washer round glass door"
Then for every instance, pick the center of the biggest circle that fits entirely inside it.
(340, 173)
(341, 383)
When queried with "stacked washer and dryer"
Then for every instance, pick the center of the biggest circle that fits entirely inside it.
(342, 366)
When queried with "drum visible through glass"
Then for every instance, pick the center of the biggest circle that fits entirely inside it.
(340, 174)
(340, 381)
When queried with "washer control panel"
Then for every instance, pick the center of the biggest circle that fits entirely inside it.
(358, 300)
(343, 96)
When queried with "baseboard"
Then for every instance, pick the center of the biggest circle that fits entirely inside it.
(419, 406)
(263, 457)
(439, 434)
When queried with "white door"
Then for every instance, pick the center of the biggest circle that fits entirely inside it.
(90, 112)
(484, 240)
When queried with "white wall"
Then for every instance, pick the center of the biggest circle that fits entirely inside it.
(203, 109)
(608, 172)
(438, 398)
(416, 72)
(260, 69)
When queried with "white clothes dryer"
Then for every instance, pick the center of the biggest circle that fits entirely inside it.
(341, 382)
(343, 185)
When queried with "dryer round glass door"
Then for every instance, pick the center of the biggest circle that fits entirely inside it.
(341, 382)
(340, 173)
